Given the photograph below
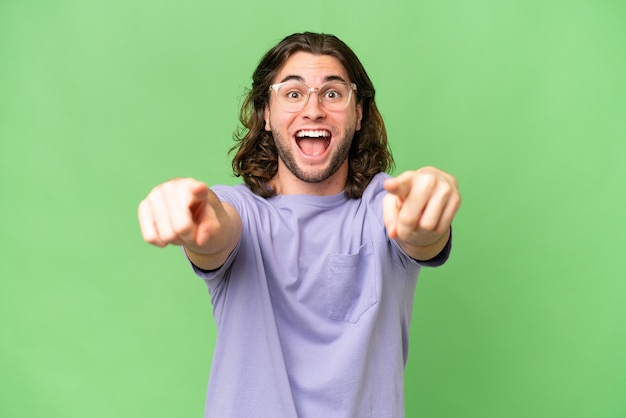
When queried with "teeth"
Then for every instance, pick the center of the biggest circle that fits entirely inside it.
(313, 133)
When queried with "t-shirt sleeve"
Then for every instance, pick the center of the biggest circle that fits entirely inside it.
(217, 273)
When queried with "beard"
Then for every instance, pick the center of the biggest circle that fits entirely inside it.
(337, 158)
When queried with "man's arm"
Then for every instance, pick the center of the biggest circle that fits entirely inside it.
(186, 212)
(419, 209)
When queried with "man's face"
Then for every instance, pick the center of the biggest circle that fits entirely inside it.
(312, 143)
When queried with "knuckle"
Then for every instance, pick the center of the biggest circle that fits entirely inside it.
(143, 208)
(406, 219)
(447, 193)
(454, 182)
(456, 200)
(403, 232)
(427, 170)
(429, 225)
(181, 230)
(170, 238)
(426, 181)
(157, 189)
(153, 240)
(179, 233)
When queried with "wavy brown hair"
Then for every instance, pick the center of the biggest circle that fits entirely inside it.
(256, 157)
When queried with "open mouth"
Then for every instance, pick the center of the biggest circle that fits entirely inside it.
(313, 142)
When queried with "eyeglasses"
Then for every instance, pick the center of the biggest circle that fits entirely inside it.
(292, 96)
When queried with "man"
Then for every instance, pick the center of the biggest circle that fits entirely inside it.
(313, 263)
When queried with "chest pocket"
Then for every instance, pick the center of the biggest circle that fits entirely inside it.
(351, 284)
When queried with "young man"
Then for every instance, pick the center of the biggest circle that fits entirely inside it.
(313, 263)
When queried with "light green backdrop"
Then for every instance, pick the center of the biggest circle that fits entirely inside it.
(523, 100)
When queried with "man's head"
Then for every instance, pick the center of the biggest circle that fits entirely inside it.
(266, 122)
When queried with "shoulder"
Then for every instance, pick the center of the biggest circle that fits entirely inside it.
(238, 196)
(374, 192)
(375, 187)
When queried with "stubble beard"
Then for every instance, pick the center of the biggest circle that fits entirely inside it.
(340, 155)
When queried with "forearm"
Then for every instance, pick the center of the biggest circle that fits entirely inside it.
(222, 239)
(207, 261)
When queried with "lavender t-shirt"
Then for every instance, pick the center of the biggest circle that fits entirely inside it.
(312, 309)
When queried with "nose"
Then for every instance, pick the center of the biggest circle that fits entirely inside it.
(313, 108)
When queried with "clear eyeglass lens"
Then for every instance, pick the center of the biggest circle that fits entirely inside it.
(333, 96)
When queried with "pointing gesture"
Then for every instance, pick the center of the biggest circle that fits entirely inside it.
(419, 209)
(186, 212)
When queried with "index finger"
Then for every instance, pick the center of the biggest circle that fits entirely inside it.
(399, 186)
(199, 191)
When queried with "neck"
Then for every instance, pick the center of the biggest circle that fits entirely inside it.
(284, 182)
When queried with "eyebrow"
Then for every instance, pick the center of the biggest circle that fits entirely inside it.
(301, 80)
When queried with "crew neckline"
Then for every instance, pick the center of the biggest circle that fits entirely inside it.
(308, 199)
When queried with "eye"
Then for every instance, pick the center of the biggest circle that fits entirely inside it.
(332, 94)
(292, 92)
(292, 95)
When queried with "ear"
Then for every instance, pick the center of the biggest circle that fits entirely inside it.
(359, 116)
(266, 116)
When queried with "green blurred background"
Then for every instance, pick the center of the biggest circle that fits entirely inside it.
(523, 100)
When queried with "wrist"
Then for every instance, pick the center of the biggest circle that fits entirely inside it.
(427, 251)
